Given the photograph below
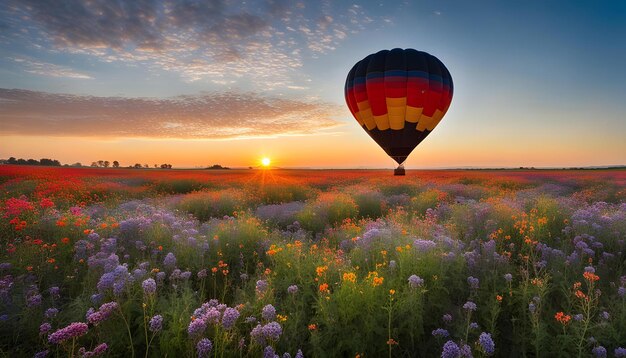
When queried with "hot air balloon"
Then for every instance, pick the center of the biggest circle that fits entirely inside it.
(399, 96)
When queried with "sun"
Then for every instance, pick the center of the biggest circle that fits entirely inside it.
(266, 162)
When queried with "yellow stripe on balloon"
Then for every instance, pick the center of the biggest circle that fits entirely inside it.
(436, 118)
(366, 114)
(424, 123)
(412, 114)
(396, 110)
(382, 122)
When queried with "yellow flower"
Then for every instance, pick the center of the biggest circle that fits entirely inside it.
(378, 281)
(349, 276)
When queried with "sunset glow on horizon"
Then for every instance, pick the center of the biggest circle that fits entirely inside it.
(238, 84)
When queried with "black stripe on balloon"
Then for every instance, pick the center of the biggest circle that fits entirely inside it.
(398, 144)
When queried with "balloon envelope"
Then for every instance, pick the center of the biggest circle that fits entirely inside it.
(398, 96)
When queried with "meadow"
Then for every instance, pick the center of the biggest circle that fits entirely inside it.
(312, 263)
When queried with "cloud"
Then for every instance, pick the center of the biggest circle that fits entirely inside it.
(205, 116)
(265, 41)
(49, 69)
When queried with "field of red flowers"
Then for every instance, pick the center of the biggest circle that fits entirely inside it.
(316, 263)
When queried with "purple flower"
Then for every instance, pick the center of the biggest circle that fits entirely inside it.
(229, 318)
(42, 354)
(578, 317)
(424, 245)
(415, 281)
(185, 275)
(268, 313)
(440, 332)
(269, 352)
(169, 261)
(272, 331)
(257, 335)
(55, 292)
(196, 327)
(149, 286)
(293, 289)
(99, 350)
(156, 323)
(261, 286)
(620, 352)
(605, 315)
(447, 318)
(51, 312)
(599, 352)
(473, 282)
(621, 291)
(590, 269)
(45, 328)
(74, 330)
(33, 301)
(450, 350)
(486, 343)
(466, 351)
(299, 354)
(532, 307)
(202, 274)
(508, 277)
(204, 347)
(473, 325)
(469, 306)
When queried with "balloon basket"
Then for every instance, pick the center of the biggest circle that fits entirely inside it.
(399, 171)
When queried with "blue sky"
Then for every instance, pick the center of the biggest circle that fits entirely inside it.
(536, 83)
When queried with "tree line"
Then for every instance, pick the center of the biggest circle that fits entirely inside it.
(96, 164)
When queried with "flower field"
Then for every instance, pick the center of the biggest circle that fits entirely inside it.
(312, 263)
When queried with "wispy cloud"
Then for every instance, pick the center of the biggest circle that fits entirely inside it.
(204, 116)
(49, 69)
(218, 40)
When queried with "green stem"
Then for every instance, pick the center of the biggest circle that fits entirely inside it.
(130, 336)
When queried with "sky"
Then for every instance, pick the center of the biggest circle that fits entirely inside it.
(195, 83)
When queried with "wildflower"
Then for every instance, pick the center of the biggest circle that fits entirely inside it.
(599, 352)
(156, 323)
(532, 307)
(469, 306)
(73, 330)
(498, 298)
(196, 327)
(99, 350)
(45, 328)
(508, 277)
(473, 282)
(447, 318)
(591, 277)
(621, 292)
(268, 313)
(34, 301)
(578, 317)
(149, 286)
(229, 318)
(272, 331)
(51, 312)
(450, 350)
(473, 325)
(391, 342)
(202, 274)
(486, 343)
(42, 354)
(293, 289)
(261, 286)
(440, 332)
(377, 281)
(562, 318)
(300, 355)
(312, 327)
(605, 315)
(415, 281)
(169, 261)
(620, 352)
(324, 288)
(349, 276)
(256, 335)
(204, 347)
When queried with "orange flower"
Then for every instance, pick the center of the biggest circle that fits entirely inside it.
(392, 292)
(324, 287)
(312, 327)
(320, 270)
(591, 277)
(377, 281)
(65, 240)
(51, 260)
(214, 269)
(498, 298)
(580, 294)
(562, 318)
(391, 342)
(160, 247)
(349, 276)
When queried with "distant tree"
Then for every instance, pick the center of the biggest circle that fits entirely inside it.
(106, 163)
(100, 163)
(12, 160)
(116, 164)
(32, 162)
(94, 164)
(163, 166)
(137, 166)
(146, 166)
(77, 164)
(21, 162)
